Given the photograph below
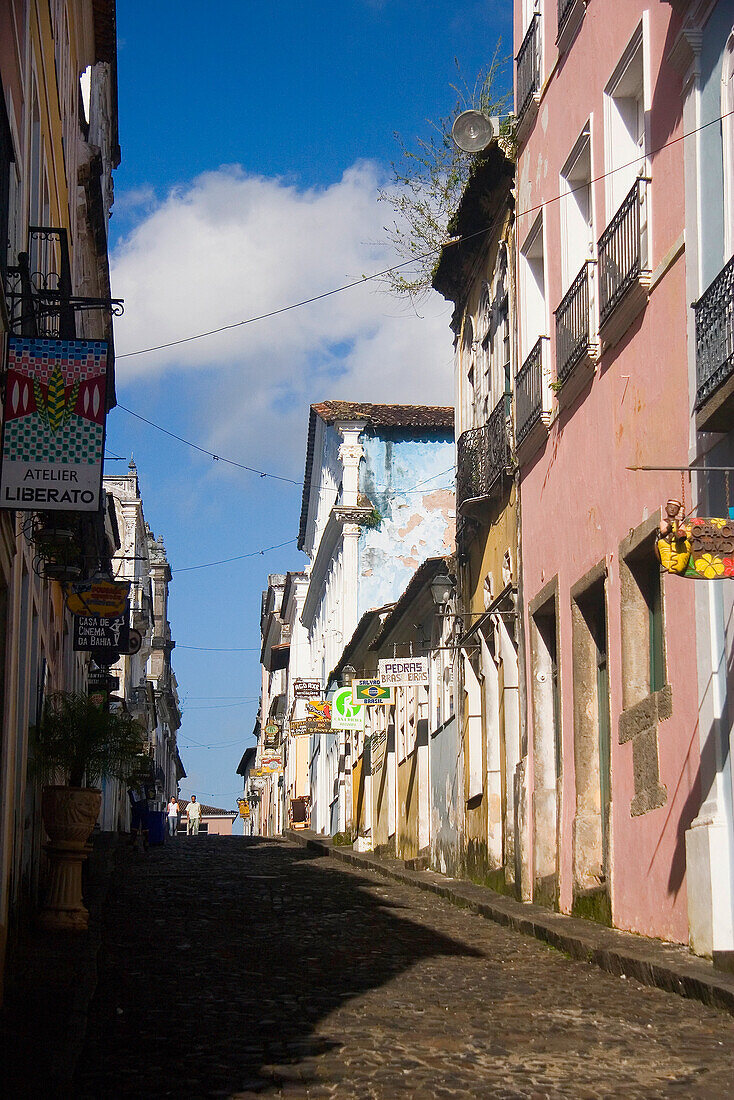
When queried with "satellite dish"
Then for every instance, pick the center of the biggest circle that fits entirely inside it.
(472, 131)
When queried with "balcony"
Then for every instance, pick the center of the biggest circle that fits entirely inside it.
(484, 455)
(570, 16)
(528, 63)
(533, 401)
(577, 347)
(715, 354)
(624, 274)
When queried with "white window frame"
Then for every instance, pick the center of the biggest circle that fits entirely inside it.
(622, 167)
(571, 221)
(727, 135)
(534, 313)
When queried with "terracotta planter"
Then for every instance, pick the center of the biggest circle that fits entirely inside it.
(69, 815)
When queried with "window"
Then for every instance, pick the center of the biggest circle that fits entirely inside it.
(532, 274)
(727, 107)
(625, 140)
(577, 233)
(468, 374)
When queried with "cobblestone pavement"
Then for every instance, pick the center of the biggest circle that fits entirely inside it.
(238, 967)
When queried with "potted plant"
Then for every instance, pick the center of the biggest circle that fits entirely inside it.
(81, 743)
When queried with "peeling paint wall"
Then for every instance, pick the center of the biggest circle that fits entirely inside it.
(447, 799)
(412, 525)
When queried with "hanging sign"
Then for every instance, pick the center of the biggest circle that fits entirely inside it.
(306, 727)
(92, 632)
(701, 549)
(371, 693)
(305, 689)
(316, 708)
(244, 807)
(403, 671)
(345, 713)
(97, 597)
(53, 425)
(271, 731)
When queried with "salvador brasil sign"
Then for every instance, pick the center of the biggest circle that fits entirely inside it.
(53, 425)
(371, 693)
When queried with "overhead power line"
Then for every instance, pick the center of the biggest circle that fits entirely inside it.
(415, 259)
(260, 473)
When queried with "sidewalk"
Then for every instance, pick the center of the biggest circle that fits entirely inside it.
(652, 962)
(50, 981)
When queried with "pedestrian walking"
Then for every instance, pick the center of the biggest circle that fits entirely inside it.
(172, 810)
(194, 816)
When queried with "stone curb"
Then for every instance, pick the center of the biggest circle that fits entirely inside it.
(652, 962)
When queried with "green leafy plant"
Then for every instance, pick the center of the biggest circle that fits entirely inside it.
(429, 180)
(84, 741)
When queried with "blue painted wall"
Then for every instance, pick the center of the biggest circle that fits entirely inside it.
(410, 481)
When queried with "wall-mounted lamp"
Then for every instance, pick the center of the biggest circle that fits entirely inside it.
(348, 674)
(441, 588)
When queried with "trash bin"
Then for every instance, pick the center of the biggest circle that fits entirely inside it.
(156, 825)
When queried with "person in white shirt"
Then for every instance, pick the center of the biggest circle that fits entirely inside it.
(194, 816)
(172, 809)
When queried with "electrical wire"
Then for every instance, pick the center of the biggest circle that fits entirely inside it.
(237, 557)
(254, 470)
(406, 263)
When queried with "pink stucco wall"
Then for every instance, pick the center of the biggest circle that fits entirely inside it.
(218, 826)
(579, 501)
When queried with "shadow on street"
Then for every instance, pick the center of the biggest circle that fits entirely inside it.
(220, 955)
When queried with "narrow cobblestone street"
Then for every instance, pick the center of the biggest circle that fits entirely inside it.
(238, 967)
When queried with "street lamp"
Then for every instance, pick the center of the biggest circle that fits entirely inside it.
(441, 588)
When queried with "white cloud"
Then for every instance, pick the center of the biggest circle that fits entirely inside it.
(229, 246)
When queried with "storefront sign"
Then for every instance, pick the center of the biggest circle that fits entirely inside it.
(244, 807)
(316, 708)
(702, 549)
(403, 671)
(371, 693)
(53, 425)
(92, 632)
(271, 731)
(346, 714)
(104, 598)
(306, 727)
(305, 689)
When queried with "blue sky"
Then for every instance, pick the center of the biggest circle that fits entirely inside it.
(255, 138)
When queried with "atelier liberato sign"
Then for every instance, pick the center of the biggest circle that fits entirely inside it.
(92, 632)
(345, 714)
(53, 425)
(403, 671)
(371, 693)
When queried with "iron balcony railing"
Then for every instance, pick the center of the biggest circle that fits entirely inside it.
(564, 10)
(529, 403)
(483, 455)
(528, 66)
(715, 334)
(621, 260)
(574, 335)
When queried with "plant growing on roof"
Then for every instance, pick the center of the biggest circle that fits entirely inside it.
(429, 180)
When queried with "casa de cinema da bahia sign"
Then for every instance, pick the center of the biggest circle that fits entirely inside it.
(54, 425)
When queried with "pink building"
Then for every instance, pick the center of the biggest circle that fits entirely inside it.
(214, 821)
(611, 687)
